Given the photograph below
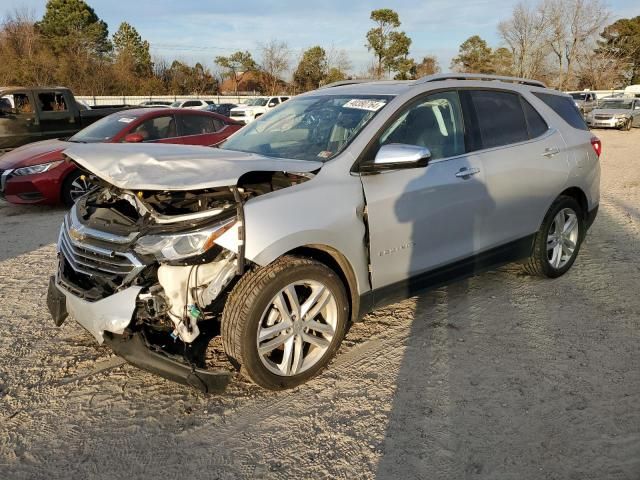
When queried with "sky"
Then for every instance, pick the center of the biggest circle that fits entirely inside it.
(199, 30)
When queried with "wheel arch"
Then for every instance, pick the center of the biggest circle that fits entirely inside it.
(337, 262)
(579, 196)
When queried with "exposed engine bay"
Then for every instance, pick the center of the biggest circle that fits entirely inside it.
(160, 247)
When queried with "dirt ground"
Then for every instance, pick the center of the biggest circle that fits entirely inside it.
(500, 376)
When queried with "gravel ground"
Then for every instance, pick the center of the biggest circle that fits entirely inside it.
(500, 376)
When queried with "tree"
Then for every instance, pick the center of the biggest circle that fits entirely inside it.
(573, 28)
(130, 48)
(237, 66)
(525, 33)
(312, 69)
(502, 61)
(390, 47)
(428, 66)
(474, 56)
(338, 65)
(621, 40)
(276, 57)
(72, 24)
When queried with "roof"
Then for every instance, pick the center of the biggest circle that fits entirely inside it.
(397, 87)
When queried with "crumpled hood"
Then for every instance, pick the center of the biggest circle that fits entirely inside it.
(175, 167)
(612, 111)
(33, 154)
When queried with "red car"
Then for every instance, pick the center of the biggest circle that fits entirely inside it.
(37, 173)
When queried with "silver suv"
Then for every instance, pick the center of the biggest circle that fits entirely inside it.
(339, 201)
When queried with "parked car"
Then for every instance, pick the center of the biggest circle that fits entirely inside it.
(31, 114)
(254, 108)
(155, 103)
(585, 101)
(192, 104)
(37, 173)
(622, 113)
(221, 108)
(342, 200)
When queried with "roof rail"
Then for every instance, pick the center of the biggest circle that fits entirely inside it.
(479, 76)
(345, 82)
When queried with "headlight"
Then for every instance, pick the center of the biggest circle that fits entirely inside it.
(182, 245)
(41, 168)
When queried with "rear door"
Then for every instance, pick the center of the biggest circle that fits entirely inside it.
(57, 117)
(423, 218)
(524, 162)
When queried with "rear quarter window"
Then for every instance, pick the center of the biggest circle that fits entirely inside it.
(565, 108)
(537, 125)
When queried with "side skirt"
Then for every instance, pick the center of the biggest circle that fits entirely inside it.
(432, 279)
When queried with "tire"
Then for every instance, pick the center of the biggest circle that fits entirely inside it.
(255, 305)
(627, 126)
(70, 190)
(540, 263)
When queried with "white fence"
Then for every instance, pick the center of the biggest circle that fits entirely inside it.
(138, 99)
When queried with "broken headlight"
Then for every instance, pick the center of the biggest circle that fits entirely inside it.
(179, 246)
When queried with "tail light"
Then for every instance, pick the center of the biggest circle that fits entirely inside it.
(597, 145)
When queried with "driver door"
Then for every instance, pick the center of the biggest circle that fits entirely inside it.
(424, 218)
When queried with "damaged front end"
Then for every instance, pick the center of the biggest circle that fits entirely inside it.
(142, 271)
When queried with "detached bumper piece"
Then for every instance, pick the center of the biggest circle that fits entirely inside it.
(134, 350)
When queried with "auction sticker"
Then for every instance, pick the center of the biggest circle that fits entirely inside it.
(126, 119)
(365, 104)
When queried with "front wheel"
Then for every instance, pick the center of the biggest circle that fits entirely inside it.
(283, 323)
(73, 187)
(558, 241)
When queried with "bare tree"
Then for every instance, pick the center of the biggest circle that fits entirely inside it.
(526, 35)
(600, 70)
(574, 26)
(275, 62)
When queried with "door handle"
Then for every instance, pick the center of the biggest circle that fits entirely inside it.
(550, 152)
(467, 172)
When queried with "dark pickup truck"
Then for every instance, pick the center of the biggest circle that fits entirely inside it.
(31, 114)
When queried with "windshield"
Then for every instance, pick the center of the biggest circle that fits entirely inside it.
(176, 104)
(317, 127)
(578, 96)
(615, 105)
(256, 102)
(104, 129)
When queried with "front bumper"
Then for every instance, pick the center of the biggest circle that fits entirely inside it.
(610, 123)
(112, 314)
(107, 320)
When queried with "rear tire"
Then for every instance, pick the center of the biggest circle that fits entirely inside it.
(283, 323)
(558, 241)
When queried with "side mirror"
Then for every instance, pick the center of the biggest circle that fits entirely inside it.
(398, 156)
(5, 108)
(133, 138)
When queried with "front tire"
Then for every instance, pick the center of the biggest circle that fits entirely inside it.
(73, 187)
(283, 323)
(558, 241)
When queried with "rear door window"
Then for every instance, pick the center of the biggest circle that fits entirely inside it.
(192, 103)
(52, 102)
(199, 124)
(565, 108)
(500, 117)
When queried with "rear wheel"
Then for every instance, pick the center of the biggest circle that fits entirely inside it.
(283, 323)
(73, 187)
(558, 241)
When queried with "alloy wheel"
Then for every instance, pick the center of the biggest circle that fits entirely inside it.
(297, 328)
(562, 238)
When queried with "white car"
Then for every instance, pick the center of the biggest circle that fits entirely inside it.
(192, 104)
(254, 107)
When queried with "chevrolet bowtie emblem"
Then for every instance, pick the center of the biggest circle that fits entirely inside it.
(76, 234)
